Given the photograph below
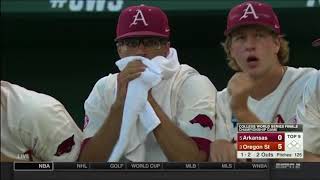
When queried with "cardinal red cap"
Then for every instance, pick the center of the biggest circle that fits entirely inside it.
(252, 13)
(141, 21)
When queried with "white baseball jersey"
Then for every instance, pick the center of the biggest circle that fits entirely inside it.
(182, 97)
(308, 112)
(36, 126)
(277, 107)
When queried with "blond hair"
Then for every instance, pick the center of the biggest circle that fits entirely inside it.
(283, 53)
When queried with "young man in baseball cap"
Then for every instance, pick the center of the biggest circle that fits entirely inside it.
(308, 112)
(183, 100)
(263, 89)
(36, 127)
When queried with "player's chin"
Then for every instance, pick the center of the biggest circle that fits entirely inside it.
(255, 73)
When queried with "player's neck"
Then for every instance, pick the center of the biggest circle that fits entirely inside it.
(268, 83)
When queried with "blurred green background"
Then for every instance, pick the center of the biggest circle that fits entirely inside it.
(63, 53)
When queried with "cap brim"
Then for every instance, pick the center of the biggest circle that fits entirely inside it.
(140, 34)
(227, 32)
(316, 43)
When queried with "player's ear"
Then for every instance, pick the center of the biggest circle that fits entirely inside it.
(167, 46)
(166, 49)
(230, 52)
(120, 50)
(277, 42)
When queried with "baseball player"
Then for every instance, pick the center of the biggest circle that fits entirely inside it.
(263, 90)
(36, 127)
(308, 112)
(184, 101)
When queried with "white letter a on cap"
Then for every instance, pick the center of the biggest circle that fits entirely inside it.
(249, 10)
(139, 17)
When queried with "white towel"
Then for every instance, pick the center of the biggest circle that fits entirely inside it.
(133, 132)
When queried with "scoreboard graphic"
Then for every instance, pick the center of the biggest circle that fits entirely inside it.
(269, 141)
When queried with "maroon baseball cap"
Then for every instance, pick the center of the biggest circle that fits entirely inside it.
(252, 13)
(141, 21)
(316, 42)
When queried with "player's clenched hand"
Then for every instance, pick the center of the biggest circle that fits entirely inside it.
(129, 73)
(222, 151)
(240, 87)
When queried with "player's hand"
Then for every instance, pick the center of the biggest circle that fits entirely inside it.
(222, 151)
(240, 87)
(132, 71)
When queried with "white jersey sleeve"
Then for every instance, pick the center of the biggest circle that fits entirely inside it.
(308, 112)
(36, 125)
(98, 104)
(197, 97)
(225, 127)
(55, 137)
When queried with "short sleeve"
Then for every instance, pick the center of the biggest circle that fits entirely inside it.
(55, 136)
(308, 112)
(196, 107)
(225, 129)
(98, 104)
